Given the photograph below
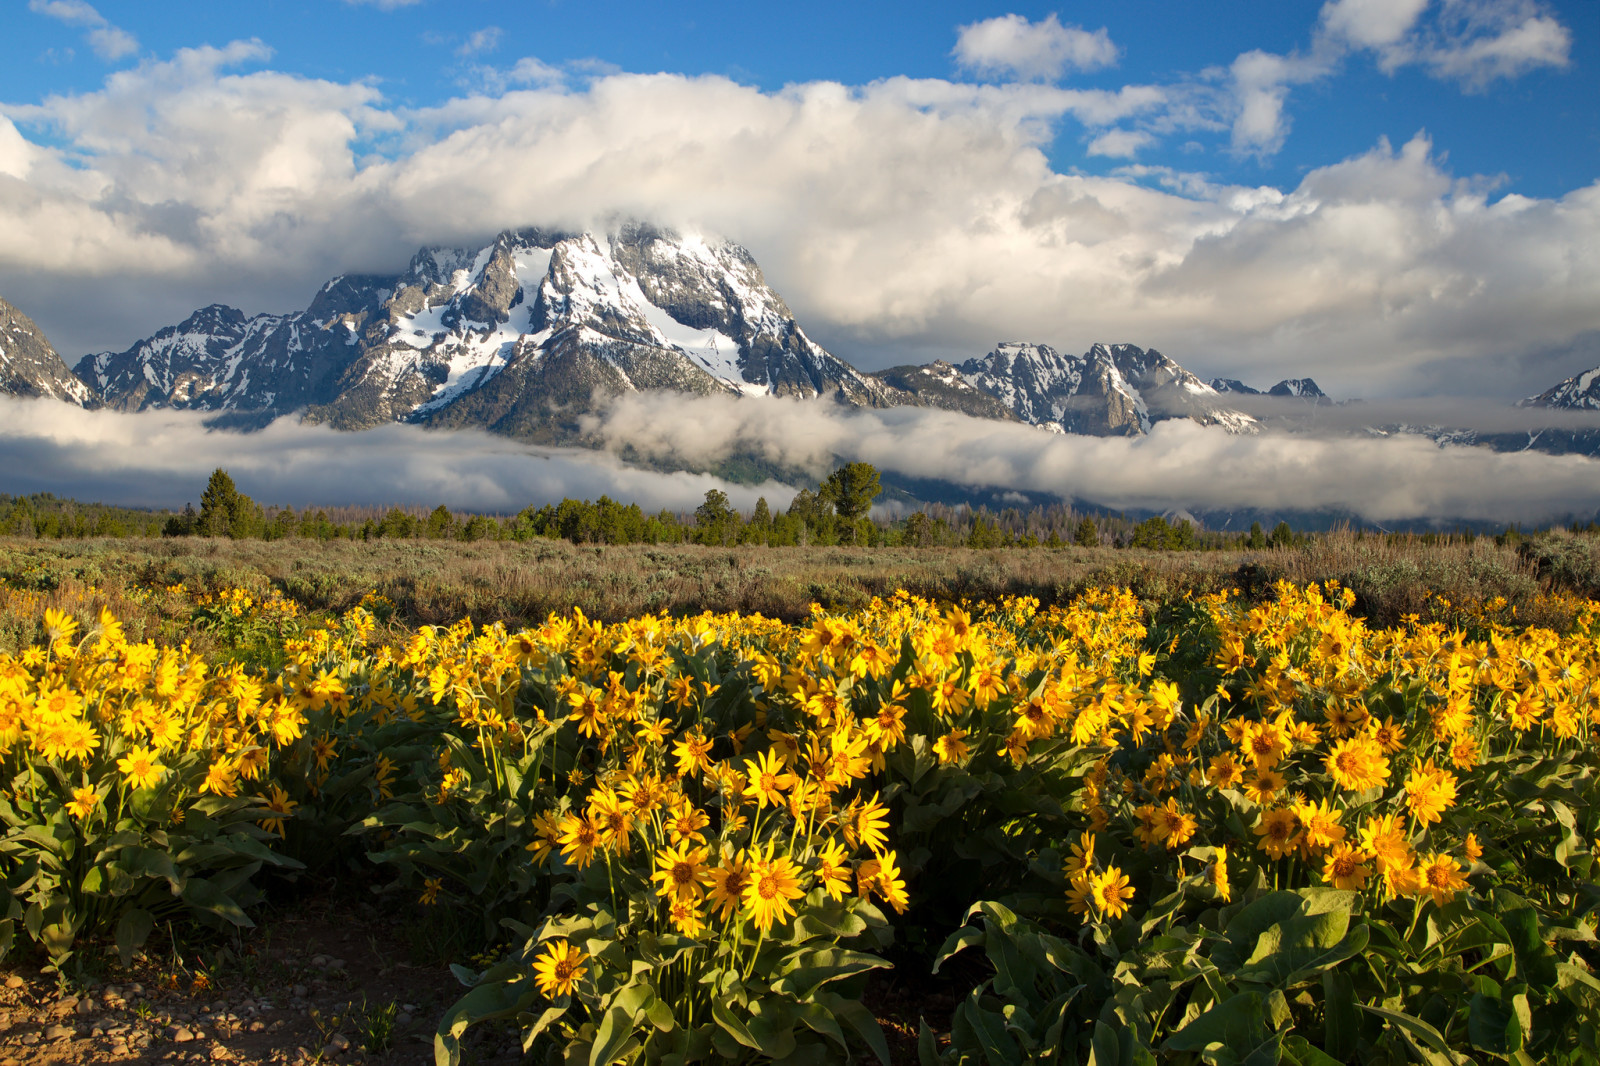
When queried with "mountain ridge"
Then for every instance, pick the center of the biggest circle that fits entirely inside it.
(529, 335)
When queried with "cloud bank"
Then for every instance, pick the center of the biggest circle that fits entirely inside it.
(163, 458)
(1180, 464)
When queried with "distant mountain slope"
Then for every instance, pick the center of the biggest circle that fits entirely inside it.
(1116, 390)
(939, 384)
(1299, 388)
(29, 366)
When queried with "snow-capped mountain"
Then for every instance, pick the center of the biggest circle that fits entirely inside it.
(520, 337)
(29, 366)
(1116, 390)
(1298, 388)
(1581, 392)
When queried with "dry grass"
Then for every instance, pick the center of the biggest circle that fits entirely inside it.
(439, 581)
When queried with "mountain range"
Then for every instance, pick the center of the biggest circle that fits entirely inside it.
(531, 333)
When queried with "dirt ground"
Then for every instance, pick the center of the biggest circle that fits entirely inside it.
(324, 980)
(314, 986)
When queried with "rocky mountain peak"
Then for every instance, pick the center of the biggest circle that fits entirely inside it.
(1299, 388)
(30, 366)
(1581, 392)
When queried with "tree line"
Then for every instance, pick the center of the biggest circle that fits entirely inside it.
(835, 511)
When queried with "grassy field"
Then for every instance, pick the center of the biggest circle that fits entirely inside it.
(434, 582)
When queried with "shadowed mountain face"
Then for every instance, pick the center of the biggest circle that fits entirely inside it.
(29, 366)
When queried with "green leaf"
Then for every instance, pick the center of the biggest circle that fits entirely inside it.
(1487, 1023)
(202, 895)
(859, 1018)
(732, 1025)
(927, 1045)
(817, 968)
(492, 1000)
(133, 928)
(1293, 951)
(1298, 1051)
(628, 1007)
(1535, 961)
(772, 1024)
(1238, 1023)
(147, 862)
(990, 1030)
(1341, 1015)
(820, 1021)
(960, 940)
(1418, 1033)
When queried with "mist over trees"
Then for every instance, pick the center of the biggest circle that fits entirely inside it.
(837, 511)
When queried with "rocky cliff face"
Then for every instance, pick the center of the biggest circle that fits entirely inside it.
(29, 366)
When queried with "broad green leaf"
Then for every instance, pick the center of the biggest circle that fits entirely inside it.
(202, 895)
(133, 928)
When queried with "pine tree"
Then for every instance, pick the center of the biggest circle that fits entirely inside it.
(851, 489)
(1087, 534)
(217, 506)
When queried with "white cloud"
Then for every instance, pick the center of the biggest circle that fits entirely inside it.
(1371, 23)
(1479, 41)
(479, 41)
(527, 71)
(1122, 144)
(1261, 84)
(1012, 46)
(162, 458)
(109, 42)
(902, 220)
(1473, 42)
(1178, 465)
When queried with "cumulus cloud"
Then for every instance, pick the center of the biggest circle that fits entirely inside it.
(1179, 465)
(162, 458)
(1371, 23)
(1011, 46)
(906, 219)
(109, 42)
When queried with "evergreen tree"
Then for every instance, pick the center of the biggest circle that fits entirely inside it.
(1087, 534)
(715, 519)
(1282, 536)
(441, 524)
(851, 489)
(1258, 539)
(218, 505)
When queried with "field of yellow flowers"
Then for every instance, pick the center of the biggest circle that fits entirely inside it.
(1202, 831)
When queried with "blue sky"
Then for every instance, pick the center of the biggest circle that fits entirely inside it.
(1396, 196)
(1541, 130)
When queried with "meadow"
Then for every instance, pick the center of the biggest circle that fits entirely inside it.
(1333, 803)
